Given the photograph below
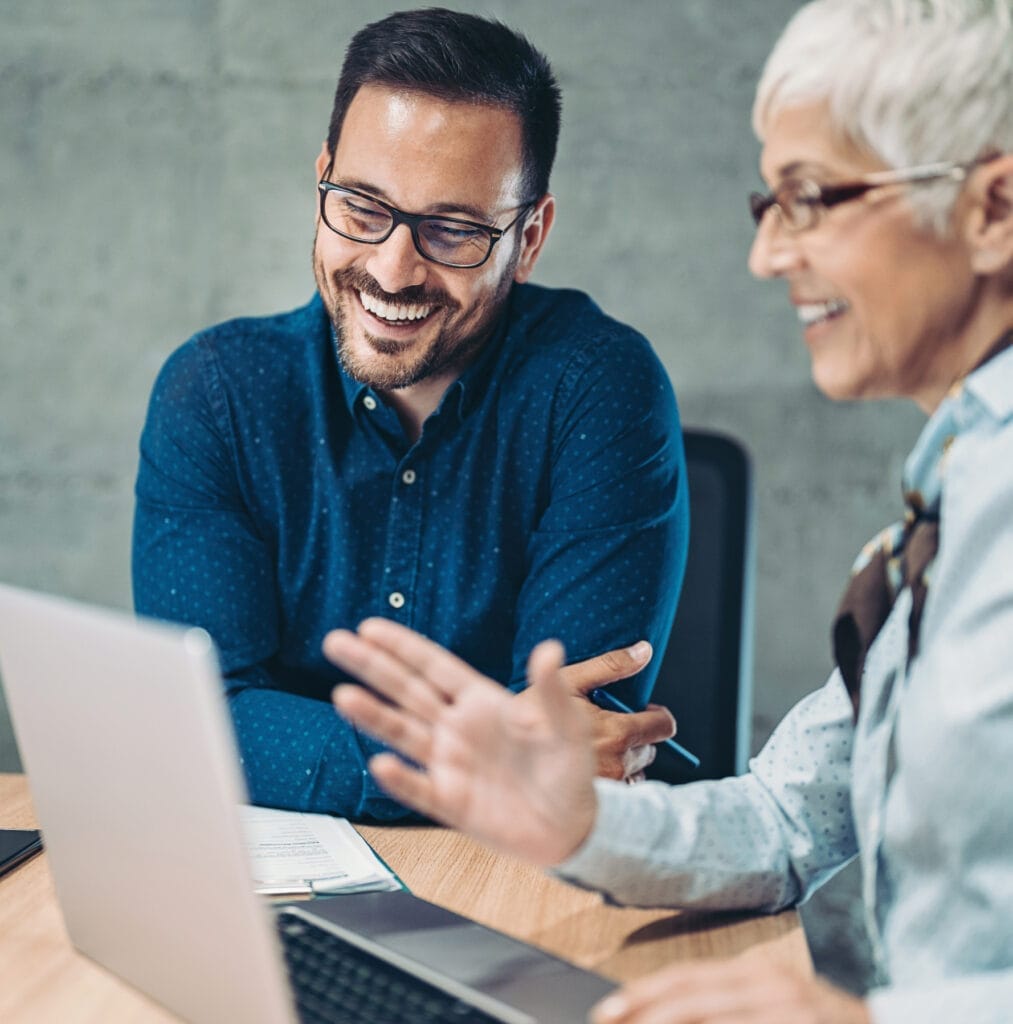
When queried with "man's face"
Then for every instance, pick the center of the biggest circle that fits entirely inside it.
(399, 317)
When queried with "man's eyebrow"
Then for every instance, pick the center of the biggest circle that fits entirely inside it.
(461, 209)
(449, 209)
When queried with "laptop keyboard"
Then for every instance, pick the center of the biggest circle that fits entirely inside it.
(336, 982)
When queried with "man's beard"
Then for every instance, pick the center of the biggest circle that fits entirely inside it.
(450, 350)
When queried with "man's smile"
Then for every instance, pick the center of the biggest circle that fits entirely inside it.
(394, 313)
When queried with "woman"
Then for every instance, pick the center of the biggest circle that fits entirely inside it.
(887, 130)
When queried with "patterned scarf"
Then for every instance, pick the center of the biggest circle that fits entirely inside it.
(904, 553)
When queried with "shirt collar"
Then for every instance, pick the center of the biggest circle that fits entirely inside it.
(986, 392)
(354, 389)
(463, 395)
(991, 385)
(468, 390)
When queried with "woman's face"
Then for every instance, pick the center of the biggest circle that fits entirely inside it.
(886, 306)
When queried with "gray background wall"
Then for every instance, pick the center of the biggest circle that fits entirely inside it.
(156, 169)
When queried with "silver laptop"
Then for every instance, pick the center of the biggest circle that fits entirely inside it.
(134, 773)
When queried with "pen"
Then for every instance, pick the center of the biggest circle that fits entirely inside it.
(605, 700)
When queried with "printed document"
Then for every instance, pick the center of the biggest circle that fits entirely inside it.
(293, 853)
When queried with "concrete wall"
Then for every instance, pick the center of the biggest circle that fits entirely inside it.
(156, 168)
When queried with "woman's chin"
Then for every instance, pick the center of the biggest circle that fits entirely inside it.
(842, 383)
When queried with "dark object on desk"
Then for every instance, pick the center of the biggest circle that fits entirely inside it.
(706, 673)
(17, 845)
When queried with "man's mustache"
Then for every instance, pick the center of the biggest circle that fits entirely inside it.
(414, 295)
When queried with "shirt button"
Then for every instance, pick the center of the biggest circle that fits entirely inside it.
(408, 476)
(396, 600)
(369, 402)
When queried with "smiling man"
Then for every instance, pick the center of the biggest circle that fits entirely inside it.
(432, 438)
(404, 325)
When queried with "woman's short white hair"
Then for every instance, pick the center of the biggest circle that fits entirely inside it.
(910, 81)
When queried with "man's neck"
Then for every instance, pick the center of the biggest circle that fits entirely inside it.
(415, 404)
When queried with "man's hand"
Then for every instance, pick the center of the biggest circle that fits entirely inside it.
(623, 744)
(746, 990)
(515, 774)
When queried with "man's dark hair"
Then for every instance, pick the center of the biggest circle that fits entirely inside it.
(458, 57)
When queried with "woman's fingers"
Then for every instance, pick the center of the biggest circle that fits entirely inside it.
(389, 724)
(411, 787)
(444, 671)
(385, 673)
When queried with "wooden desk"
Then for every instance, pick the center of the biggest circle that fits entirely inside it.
(42, 978)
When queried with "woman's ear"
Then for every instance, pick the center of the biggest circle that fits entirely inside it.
(990, 226)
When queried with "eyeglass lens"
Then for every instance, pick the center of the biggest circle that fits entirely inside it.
(445, 241)
(798, 204)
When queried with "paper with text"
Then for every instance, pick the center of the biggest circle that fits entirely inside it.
(295, 853)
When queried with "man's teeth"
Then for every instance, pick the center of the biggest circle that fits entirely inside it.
(813, 312)
(392, 312)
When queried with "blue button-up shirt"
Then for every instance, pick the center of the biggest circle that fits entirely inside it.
(277, 499)
(920, 789)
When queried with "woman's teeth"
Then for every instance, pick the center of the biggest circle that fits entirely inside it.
(815, 312)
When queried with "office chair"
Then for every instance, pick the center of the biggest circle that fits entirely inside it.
(706, 673)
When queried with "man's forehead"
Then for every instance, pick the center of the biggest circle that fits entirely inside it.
(423, 151)
(401, 108)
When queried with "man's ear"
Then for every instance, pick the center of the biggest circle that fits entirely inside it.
(990, 225)
(323, 160)
(537, 225)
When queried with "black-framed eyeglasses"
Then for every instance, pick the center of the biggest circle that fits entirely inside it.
(447, 240)
(801, 202)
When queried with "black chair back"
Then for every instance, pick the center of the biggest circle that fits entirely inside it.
(706, 674)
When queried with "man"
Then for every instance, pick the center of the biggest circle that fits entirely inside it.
(430, 438)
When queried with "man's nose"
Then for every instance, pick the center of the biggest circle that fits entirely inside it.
(396, 264)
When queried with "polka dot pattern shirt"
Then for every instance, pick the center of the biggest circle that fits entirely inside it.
(278, 499)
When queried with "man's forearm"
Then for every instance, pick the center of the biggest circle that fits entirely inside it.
(296, 753)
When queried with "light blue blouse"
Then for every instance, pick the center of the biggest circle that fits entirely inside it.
(921, 789)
